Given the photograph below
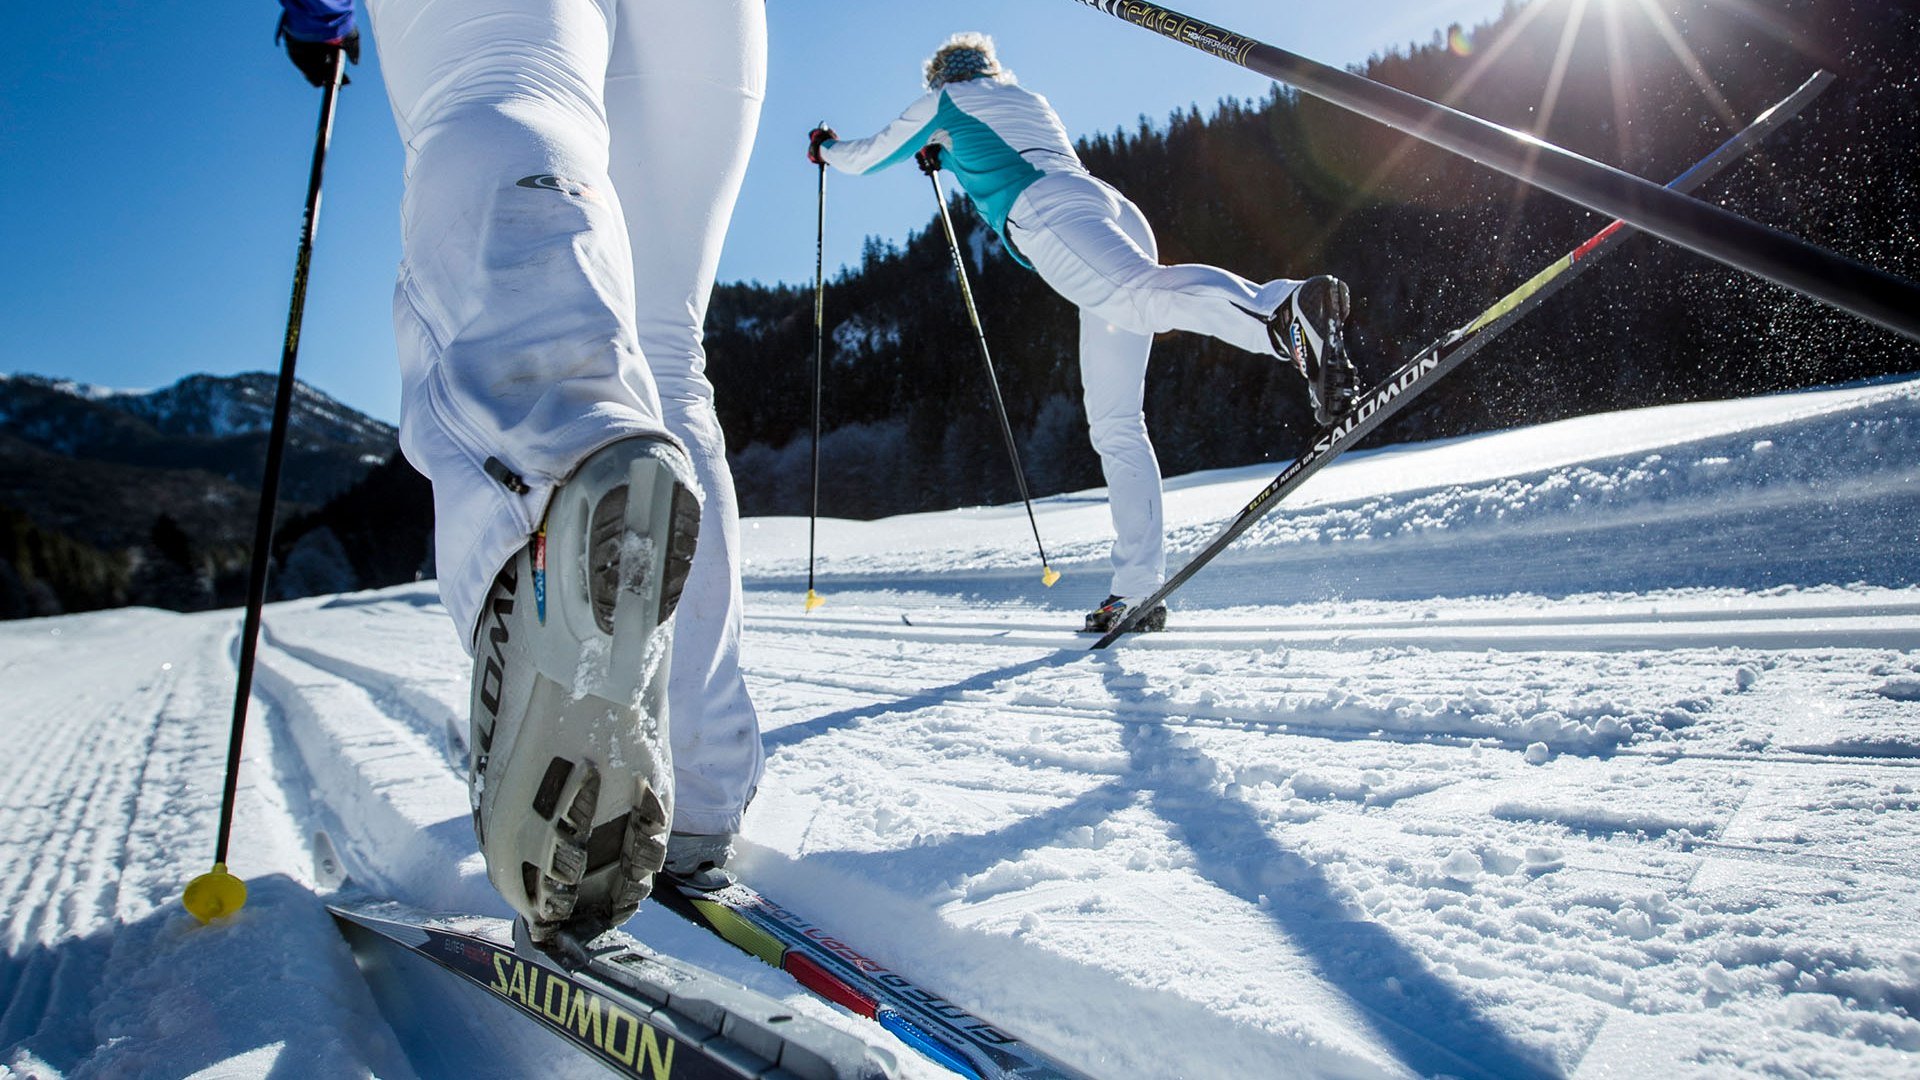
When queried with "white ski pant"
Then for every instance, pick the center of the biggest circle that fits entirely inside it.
(1093, 246)
(571, 166)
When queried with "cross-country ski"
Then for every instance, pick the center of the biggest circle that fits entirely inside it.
(638, 1014)
(833, 967)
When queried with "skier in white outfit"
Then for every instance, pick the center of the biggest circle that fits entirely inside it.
(1011, 154)
(571, 166)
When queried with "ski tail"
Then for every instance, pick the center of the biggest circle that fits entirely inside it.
(831, 968)
(1380, 401)
(638, 1013)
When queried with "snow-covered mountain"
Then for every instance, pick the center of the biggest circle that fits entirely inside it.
(209, 422)
(148, 497)
(1588, 749)
(218, 406)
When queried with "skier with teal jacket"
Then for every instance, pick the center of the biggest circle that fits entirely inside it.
(1089, 243)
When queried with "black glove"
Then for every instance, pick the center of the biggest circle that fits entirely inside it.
(819, 135)
(315, 58)
(928, 158)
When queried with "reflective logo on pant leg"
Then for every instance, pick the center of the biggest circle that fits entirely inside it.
(560, 184)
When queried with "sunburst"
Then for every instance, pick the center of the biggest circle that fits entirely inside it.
(1621, 74)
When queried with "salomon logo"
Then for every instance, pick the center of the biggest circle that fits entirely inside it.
(493, 675)
(1383, 397)
(561, 184)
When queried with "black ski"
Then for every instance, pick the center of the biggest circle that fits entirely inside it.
(1375, 404)
(636, 1012)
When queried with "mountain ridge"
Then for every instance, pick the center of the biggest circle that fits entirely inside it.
(147, 497)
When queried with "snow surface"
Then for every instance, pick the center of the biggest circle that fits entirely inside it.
(1589, 749)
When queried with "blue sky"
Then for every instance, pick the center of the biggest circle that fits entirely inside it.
(153, 163)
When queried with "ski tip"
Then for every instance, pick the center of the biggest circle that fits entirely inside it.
(1048, 575)
(814, 599)
(214, 894)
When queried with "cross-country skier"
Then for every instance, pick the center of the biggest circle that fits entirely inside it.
(1011, 154)
(570, 171)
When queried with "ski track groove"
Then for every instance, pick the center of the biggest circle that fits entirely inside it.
(76, 787)
(298, 791)
(1334, 625)
(404, 828)
(1289, 704)
(1594, 636)
(116, 809)
(393, 696)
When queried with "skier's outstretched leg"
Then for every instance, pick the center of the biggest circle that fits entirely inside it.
(684, 87)
(1093, 246)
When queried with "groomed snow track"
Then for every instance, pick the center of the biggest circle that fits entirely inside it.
(1653, 811)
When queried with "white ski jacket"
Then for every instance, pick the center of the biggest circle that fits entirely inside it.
(996, 137)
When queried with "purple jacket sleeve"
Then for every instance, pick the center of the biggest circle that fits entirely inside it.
(318, 20)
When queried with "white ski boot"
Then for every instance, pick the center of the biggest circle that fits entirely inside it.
(569, 769)
(700, 859)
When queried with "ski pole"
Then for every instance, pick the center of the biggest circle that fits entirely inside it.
(216, 892)
(814, 599)
(929, 160)
(1742, 243)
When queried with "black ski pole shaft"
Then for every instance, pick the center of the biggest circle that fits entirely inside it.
(1782, 258)
(1048, 574)
(276, 451)
(814, 599)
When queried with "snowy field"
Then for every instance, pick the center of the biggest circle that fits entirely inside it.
(1591, 749)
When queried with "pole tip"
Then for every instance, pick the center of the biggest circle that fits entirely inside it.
(814, 599)
(214, 894)
(1048, 575)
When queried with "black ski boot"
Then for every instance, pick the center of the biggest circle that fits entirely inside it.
(1114, 608)
(1308, 331)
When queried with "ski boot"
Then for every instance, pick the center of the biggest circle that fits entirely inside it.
(1307, 329)
(570, 771)
(700, 860)
(1114, 608)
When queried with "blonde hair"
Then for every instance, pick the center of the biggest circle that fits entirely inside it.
(966, 55)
